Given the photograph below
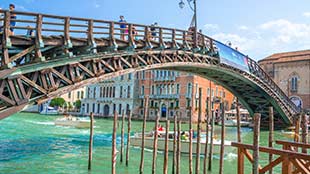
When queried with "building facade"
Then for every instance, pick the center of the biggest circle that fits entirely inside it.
(170, 92)
(115, 94)
(291, 72)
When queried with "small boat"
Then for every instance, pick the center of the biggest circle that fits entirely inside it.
(73, 121)
(48, 110)
(136, 140)
(233, 123)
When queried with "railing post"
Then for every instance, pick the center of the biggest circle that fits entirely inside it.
(297, 126)
(90, 36)
(304, 135)
(147, 38)
(185, 43)
(174, 41)
(6, 42)
(113, 44)
(256, 131)
(240, 161)
(162, 44)
(67, 40)
(131, 38)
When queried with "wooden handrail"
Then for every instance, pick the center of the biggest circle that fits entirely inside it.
(293, 144)
(273, 151)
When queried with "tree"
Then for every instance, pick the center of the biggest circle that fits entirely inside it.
(58, 101)
(78, 104)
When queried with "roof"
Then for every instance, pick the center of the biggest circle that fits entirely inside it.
(288, 56)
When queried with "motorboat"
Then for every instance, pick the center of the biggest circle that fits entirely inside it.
(73, 122)
(233, 123)
(136, 141)
(48, 110)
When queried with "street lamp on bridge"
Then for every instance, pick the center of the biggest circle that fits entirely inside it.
(194, 9)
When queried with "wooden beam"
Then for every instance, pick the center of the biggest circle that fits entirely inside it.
(21, 54)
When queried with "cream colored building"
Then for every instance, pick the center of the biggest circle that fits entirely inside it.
(291, 72)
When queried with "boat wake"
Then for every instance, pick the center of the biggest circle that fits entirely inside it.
(42, 123)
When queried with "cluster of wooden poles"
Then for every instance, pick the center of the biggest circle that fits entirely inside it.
(208, 155)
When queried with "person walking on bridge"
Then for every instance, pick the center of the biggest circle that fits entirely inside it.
(123, 26)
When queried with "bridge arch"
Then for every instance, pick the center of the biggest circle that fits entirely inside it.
(36, 69)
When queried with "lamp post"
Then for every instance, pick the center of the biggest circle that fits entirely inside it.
(182, 5)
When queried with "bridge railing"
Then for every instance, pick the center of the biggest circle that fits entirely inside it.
(259, 72)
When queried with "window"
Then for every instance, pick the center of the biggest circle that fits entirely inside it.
(110, 92)
(171, 105)
(224, 94)
(113, 92)
(94, 92)
(128, 91)
(188, 103)
(156, 105)
(88, 92)
(177, 103)
(98, 108)
(143, 75)
(178, 88)
(82, 94)
(114, 108)
(208, 93)
(122, 77)
(142, 90)
(216, 91)
(212, 92)
(152, 103)
(129, 76)
(141, 103)
(93, 107)
(87, 108)
(103, 92)
(69, 95)
(78, 94)
(120, 91)
(294, 84)
(189, 89)
(120, 109)
(107, 92)
(153, 89)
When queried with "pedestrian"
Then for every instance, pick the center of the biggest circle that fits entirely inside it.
(29, 31)
(13, 17)
(153, 30)
(123, 26)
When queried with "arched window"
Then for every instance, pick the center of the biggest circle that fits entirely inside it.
(294, 84)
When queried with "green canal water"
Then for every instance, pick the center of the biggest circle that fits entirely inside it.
(31, 143)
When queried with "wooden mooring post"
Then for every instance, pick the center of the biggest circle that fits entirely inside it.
(114, 153)
(128, 138)
(271, 129)
(297, 127)
(206, 146)
(178, 166)
(174, 143)
(165, 170)
(155, 143)
(197, 167)
(122, 136)
(146, 101)
(304, 136)
(256, 130)
(222, 107)
(211, 142)
(91, 137)
(238, 121)
(190, 150)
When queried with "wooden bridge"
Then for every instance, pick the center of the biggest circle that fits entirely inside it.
(67, 53)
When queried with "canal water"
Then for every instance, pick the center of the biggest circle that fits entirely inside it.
(31, 143)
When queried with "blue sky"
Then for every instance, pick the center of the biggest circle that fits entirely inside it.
(257, 28)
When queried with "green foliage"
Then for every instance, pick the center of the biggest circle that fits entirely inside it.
(58, 101)
(78, 104)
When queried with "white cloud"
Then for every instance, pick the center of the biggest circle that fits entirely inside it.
(306, 14)
(270, 37)
(211, 27)
(243, 27)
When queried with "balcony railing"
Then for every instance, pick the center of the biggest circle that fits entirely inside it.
(165, 78)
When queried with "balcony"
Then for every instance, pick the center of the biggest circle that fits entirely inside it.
(165, 96)
(164, 79)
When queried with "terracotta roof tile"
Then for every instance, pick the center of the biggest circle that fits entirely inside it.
(288, 56)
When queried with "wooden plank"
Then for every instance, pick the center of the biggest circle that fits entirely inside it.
(12, 90)
(22, 89)
(61, 76)
(238, 121)
(38, 39)
(33, 84)
(128, 138)
(107, 65)
(5, 60)
(271, 165)
(222, 107)
(86, 70)
(11, 110)
(114, 153)
(304, 135)
(294, 144)
(22, 53)
(91, 137)
(190, 150)
(240, 161)
(122, 136)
